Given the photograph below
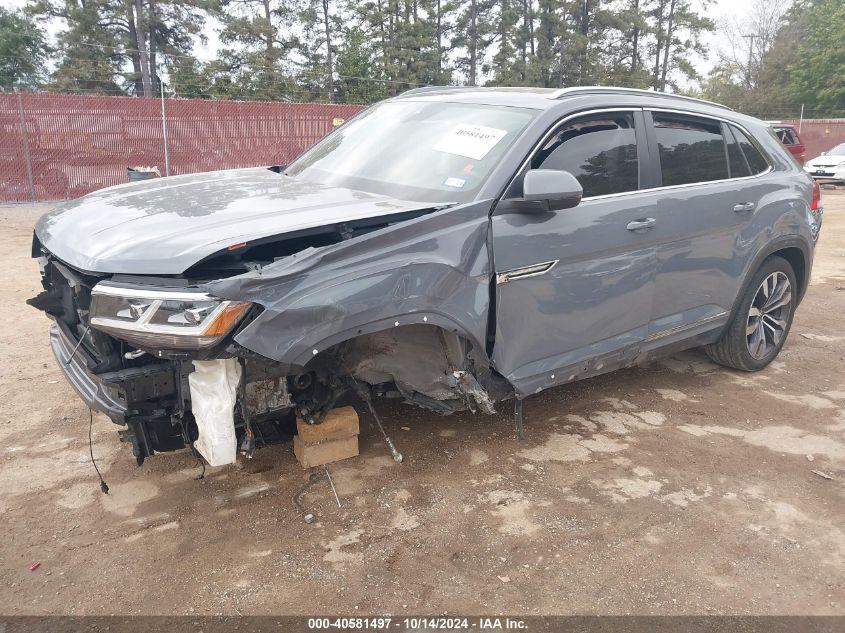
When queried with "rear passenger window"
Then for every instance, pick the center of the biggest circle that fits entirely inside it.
(691, 149)
(600, 151)
(756, 161)
(736, 159)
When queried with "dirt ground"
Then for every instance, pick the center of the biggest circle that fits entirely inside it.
(678, 488)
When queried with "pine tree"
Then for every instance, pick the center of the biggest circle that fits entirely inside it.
(678, 28)
(475, 32)
(506, 67)
(102, 37)
(254, 47)
(23, 50)
(321, 22)
(90, 47)
(359, 76)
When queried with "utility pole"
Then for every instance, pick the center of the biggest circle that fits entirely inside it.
(751, 37)
(164, 128)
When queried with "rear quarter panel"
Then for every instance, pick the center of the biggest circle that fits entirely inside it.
(781, 217)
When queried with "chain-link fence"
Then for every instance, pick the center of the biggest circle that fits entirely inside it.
(59, 146)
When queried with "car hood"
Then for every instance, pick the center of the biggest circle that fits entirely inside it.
(831, 159)
(164, 226)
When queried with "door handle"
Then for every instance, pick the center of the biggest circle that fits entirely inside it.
(645, 223)
(744, 207)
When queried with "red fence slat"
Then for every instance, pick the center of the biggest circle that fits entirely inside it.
(75, 144)
(56, 146)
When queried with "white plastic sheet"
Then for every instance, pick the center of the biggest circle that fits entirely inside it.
(214, 388)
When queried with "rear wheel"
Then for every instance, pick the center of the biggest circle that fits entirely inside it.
(760, 325)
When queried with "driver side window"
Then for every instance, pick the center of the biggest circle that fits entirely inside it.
(599, 150)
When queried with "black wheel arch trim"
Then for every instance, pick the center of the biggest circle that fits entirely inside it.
(771, 248)
(382, 325)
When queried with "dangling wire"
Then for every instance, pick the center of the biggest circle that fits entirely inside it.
(190, 444)
(103, 485)
(76, 349)
(199, 461)
(247, 448)
(180, 416)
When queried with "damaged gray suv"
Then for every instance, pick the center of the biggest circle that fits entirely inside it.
(451, 247)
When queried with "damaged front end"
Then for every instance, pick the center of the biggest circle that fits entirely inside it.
(226, 355)
(130, 350)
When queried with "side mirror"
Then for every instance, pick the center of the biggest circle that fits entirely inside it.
(558, 188)
(824, 153)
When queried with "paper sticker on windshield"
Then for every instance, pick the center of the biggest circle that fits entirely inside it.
(457, 183)
(472, 141)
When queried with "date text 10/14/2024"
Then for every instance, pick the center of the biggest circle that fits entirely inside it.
(418, 623)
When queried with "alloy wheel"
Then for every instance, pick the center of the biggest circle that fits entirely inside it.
(768, 315)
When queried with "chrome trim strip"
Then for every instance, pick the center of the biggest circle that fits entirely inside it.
(524, 272)
(608, 196)
(681, 328)
(140, 293)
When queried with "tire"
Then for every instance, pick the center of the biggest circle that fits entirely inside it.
(740, 345)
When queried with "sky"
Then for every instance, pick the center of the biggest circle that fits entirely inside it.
(719, 10)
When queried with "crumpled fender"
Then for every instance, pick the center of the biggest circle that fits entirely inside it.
(433, 269)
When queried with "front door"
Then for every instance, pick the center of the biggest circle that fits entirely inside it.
(574, 287)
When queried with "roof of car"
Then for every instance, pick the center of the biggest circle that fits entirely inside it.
(538, 98)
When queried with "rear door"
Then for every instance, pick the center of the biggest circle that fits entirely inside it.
(574, 287)
(709, 192)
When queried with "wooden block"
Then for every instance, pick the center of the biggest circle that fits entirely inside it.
(310, 455)
(339, 423)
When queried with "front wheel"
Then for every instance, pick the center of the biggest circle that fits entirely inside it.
(760, 325)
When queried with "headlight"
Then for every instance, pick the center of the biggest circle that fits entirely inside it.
(164, 319)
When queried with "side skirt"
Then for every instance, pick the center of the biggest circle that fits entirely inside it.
(655, 347)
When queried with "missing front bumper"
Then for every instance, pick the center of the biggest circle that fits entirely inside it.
(142, 399)
(96, 394)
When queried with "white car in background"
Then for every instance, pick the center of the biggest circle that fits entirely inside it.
(829, 166)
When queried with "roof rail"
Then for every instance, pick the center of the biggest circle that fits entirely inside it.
(424, 89)
(557, 94)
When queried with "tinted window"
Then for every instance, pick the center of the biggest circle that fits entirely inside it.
(600, 151)
(755, 159)
(738, 164)
(786, 136)
(691, 150)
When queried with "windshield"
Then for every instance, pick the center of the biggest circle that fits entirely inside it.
(425, 151)
(837, 150)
